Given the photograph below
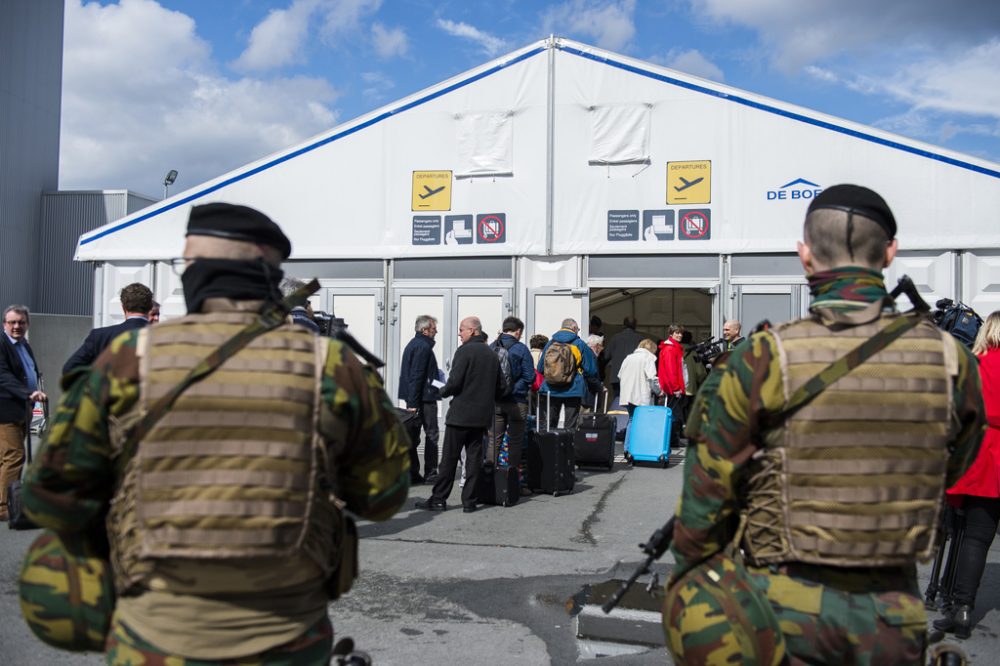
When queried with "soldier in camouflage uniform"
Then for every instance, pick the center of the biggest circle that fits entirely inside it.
(797, 534)
(225, 526)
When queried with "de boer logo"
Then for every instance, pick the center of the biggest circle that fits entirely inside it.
(800, 188)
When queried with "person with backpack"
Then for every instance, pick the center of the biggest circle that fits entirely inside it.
(518, 370)
(568, 366)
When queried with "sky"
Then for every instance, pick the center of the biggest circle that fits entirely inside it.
(206, 86)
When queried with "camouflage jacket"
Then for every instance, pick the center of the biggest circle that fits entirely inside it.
(70, 484)
(726, 423)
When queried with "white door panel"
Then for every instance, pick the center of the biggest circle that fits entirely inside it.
(981, 283)
(116, 276)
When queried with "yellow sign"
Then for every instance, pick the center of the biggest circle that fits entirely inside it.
(689, 182)
(431, 190)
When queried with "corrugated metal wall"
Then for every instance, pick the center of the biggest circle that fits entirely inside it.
(31, 39)
(66, 286)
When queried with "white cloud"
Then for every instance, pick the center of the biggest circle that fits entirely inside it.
(277, 40)
(142, 95)
(342, 17)
(610, 23)
(691, 62)
(389, 42)
(377, 85)
(489, 44)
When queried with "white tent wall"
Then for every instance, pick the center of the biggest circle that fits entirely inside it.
(754, 146)
(574, 124)
(348, 193)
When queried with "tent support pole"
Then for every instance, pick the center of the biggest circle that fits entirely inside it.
(550, 145)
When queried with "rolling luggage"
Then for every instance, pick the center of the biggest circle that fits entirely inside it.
(550, 458)
(594, 442)
(17, 519)
(498, 481)
(648, 437)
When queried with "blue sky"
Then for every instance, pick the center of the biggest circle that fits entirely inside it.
(205, 86)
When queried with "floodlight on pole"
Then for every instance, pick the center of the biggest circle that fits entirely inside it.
(168, 181)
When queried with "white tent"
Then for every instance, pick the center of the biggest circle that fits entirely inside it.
(576, 169)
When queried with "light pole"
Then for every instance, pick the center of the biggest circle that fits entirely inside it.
(168, 181)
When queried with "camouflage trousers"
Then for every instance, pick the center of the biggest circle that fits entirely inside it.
(313, 648)
(723, 613)
(833, 616)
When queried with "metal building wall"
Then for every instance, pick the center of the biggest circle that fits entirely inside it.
(31, 41)
(65, 286)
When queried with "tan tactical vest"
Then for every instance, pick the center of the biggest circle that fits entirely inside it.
(856, 477)
(235, 471)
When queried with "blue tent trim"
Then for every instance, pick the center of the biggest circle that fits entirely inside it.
(781, 112)
(313, 146)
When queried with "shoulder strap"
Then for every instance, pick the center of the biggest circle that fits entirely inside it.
(271, 318)
(830, 374)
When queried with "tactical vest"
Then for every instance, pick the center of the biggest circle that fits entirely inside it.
(235, 471)
(855, 478)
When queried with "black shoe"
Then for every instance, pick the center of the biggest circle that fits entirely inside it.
(963, 621)
(947, 621)
(468, 508)
(416, 479)
(431, 505)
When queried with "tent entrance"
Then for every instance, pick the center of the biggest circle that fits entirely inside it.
(654, 309)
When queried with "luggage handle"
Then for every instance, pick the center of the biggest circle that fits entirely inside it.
(597, 397)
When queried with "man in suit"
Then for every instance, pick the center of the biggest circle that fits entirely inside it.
(418, 371)
(137, 302)
(476, 383)
(19, 389)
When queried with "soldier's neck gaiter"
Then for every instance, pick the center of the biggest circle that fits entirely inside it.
(230, 278)
(846, 288)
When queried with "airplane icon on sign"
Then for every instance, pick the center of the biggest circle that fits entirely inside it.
(687, 183)
(430, 192)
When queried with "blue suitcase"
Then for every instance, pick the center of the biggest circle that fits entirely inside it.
(648, 437)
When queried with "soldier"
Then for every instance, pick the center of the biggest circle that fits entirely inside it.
(798, 530)
(226, 527)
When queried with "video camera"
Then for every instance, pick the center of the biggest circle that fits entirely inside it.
(707, 351)
(958, 319)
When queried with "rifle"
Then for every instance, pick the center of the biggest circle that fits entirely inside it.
(654, 550)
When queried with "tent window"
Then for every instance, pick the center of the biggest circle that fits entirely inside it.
(484, 144)
(619, 134)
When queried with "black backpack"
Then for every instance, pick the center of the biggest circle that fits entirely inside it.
(506, 374)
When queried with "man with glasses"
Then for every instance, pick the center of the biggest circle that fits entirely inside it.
(19, 390)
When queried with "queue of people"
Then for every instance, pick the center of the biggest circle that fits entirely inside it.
(207, 567)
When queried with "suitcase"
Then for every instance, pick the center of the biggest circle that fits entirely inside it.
(499, 484)
(594, 441)
(17, 519)
(551, 464)
(648, 437)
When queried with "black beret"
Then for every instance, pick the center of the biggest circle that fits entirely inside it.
(860, 201)
(240, 223)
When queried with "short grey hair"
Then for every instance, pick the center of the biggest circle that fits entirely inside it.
(570, 323)
(19, 309)
(593, 340)
(423, 323)
(290, 285)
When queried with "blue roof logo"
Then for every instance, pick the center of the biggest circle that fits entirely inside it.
(799, 181)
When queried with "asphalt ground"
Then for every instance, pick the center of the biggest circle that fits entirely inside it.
(492, 586)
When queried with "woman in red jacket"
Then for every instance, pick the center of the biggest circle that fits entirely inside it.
(978, 491)
(670, 372)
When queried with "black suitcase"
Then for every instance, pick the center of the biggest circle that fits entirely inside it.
(17, 519)
(498, 485)
(551, 463)
(594, 442)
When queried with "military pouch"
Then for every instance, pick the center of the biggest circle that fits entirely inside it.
(346, 568)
